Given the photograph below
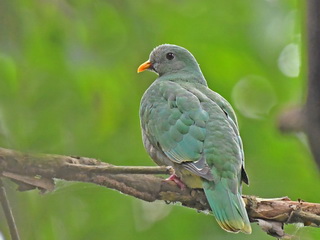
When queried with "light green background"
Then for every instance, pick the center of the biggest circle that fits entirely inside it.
(68, 85)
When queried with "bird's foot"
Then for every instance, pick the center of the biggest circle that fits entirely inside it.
(177, 180)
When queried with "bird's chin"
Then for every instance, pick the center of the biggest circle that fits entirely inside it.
(152, 69)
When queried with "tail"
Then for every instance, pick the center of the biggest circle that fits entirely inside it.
(227, 207)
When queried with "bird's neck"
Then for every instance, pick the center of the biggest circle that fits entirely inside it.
(184, 76)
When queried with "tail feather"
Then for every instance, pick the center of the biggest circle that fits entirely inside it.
(227, 207)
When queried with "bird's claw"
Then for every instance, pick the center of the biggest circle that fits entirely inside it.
(170, 170)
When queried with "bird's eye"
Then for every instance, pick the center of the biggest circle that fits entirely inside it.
(170, 56)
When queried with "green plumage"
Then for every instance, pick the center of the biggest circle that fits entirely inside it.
(188, 126)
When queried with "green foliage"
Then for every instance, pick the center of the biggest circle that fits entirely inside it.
(68, 85)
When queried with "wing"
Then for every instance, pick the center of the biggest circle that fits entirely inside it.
(225, 106)
(174, 121)
(231, 117)
(194, 127)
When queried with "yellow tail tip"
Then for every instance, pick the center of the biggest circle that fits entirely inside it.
(235, 226)
(246, 229)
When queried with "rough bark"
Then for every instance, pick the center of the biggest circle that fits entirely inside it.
(39, 171)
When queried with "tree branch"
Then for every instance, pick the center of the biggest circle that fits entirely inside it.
(312, 106)
(38, 171)
(307, 118)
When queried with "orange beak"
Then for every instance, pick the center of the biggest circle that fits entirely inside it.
(144, 66)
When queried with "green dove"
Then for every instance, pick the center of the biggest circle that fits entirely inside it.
(188, 126)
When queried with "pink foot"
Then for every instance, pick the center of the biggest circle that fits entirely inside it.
(177, 180)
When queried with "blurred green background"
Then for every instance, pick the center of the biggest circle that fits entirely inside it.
(68, 85)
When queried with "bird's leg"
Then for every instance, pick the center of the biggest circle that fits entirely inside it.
(173, 177)
(177, 180)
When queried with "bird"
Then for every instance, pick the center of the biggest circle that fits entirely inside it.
(193, 129)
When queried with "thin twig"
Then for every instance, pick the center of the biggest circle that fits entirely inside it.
(8, 213)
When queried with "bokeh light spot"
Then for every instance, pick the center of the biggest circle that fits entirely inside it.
(289, 60)
(253, 96)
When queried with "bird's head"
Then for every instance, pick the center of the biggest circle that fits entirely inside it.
(168, 59)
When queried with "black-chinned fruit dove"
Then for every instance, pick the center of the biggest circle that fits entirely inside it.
(188, 126)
